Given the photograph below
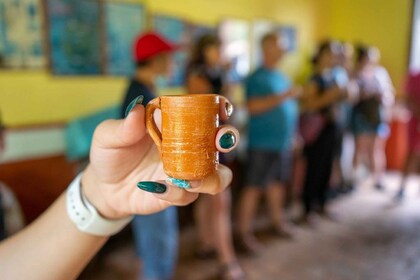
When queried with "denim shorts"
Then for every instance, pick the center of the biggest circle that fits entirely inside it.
(267, 167)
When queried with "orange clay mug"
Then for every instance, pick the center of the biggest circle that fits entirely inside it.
(190, 127)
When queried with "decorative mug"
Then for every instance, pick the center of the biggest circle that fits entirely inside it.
(190, 127)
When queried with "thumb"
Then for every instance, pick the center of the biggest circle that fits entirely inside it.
(121, 133)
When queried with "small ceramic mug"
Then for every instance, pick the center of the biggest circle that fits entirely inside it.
(187, 140)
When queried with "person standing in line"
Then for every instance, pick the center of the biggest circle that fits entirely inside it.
(155, 235)
(272, 126)
(207, 74)
(321, 96)
(341, 73)
(413, 104)
(369, 116)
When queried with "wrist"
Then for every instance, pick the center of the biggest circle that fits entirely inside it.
(92, 191)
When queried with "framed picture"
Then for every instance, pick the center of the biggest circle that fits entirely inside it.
(288, 36)
(235, 35)
(124, 22)
(21, 44)
(74, 37)
(175, 30)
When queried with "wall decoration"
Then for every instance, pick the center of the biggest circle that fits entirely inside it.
(288, 36)
(124, 22)
(177, 31)
(198, 30)
(235, 35)
(74, 36)
(21, 34)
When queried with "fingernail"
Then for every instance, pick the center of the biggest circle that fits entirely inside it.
(152, 187)
(137, 100)
(183, 184)
(227, 140)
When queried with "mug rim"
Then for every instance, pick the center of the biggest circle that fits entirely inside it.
(191, 95)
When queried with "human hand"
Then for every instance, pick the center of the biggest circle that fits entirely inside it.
(295, 92)
(122, 155)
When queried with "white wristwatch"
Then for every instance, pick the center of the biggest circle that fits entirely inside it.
(85, 216)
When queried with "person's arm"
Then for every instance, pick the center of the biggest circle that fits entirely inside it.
(259, 105)
(122, 155)
(312, 101)
(50, 248)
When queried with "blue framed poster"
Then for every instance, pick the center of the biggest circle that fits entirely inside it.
(74, 37)
(177, 31)
(21, 34)
(124, 22)
(288, 37)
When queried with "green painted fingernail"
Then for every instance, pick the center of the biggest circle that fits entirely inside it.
(137, 100)
(227, 140)
(183, 184)
(152, 187)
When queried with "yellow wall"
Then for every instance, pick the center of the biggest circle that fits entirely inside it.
(383, 23)
(36, 97)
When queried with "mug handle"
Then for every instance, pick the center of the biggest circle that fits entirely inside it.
(226, 108)
(151, 124)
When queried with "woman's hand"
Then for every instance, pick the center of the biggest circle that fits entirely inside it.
(122, 155)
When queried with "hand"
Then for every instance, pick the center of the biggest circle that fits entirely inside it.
(295, 92)
(122, 155)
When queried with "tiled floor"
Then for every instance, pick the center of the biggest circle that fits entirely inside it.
(373, 238)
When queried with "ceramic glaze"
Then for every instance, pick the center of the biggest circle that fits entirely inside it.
(189, 127)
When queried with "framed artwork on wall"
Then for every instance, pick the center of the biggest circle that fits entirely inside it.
(175, 30)
(123, 23)
(21, 44)
(74, 37)
(288, 36)
(235, 35)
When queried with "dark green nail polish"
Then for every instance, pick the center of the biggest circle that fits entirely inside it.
(227, 140)
(137, 100)
(152, 187)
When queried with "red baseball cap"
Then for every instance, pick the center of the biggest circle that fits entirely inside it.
(150, 44)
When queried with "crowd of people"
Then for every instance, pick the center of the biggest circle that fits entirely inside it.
(292, 130)
(348, 92)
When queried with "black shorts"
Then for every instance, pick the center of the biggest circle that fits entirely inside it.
(266, 167)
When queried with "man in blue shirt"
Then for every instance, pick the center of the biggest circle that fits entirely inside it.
(273, 121)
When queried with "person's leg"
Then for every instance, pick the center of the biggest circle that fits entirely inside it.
(379, 160)
(279, 177)
(360, 153)
(204, 228)
(248, 204)
(156, 240)
(249, 198)
(220, 211)
(310, 182)
(276, 196)
(325, 160)
(410, 164)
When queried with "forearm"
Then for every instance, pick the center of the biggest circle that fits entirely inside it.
(40, 253)
(320, 102)
(263, 104)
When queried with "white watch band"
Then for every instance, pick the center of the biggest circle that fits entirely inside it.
(84, 215)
